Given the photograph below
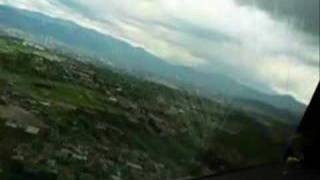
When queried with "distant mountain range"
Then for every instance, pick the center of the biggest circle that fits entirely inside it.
(136, 61)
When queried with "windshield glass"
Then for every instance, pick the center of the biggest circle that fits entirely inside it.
(154, 90)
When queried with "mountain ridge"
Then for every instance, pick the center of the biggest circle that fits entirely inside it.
(135, 60)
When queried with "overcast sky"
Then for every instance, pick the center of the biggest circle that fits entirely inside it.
(267, 45)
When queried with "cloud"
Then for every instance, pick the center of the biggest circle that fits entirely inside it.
(304, 14)
(245, 42)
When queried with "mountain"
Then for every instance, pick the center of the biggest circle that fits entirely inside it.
(136, 61)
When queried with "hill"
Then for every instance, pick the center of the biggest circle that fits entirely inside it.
(61, 118)
(136, 61)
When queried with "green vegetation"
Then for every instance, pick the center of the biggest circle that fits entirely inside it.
(89, 122)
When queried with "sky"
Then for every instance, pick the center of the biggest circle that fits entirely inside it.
(270, 45)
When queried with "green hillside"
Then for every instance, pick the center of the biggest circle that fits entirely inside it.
(65, 119)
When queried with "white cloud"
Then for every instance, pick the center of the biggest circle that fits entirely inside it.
(288, 75)
(210, 35)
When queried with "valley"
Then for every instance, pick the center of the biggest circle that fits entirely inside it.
(64, 118)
